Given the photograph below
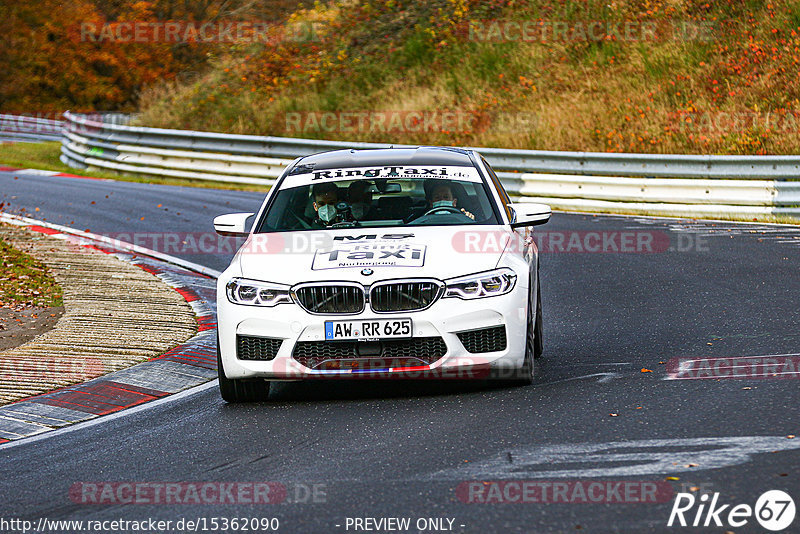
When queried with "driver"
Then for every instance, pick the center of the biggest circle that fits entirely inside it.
(326, 196)
(441, 196)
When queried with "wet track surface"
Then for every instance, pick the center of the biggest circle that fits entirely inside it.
(708, 290)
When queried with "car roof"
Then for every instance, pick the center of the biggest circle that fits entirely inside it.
(386, 157)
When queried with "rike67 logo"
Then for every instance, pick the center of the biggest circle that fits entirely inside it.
(774, 510)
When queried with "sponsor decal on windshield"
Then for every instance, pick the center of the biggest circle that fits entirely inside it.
(441, 172)
(376, 254)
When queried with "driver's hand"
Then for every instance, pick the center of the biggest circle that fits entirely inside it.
(468, 214)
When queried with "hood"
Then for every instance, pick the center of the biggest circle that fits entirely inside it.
(402, 252)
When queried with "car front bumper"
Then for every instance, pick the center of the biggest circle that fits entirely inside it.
(445, 318)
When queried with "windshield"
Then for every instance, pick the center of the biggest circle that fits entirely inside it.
(412, 201)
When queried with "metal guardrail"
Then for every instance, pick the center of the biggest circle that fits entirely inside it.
(653, 183)
(22, 128)
(31, 128)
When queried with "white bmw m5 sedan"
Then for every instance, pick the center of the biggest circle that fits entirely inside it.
(402, 262)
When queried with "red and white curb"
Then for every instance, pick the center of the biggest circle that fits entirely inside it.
(186, 366)
(39, 172)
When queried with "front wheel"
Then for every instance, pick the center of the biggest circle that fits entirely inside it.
(240, 389)
(534, 345)
(526, 372)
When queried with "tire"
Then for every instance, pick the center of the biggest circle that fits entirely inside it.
(526, 372)
(538, 329)
(523, 376)
(241, 389)
(533, 346)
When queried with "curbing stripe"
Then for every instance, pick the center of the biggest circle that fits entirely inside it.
(40, 172)
(46, 414)
(184, 367)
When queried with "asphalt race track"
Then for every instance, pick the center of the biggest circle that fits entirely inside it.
(399, 449)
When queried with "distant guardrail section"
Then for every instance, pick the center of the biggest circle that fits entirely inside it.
(640, 183)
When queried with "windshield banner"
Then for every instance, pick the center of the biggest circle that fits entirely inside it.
(442, 172)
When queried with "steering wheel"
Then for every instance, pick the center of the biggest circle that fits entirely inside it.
(443, 209)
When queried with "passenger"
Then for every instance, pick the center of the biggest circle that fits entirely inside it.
(359, 193)
(326, 196)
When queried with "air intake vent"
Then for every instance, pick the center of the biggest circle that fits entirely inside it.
(425, 350)
(257, 348)
(484, 340)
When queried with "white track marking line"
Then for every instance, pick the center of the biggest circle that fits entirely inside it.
(599, 364)
(606, 377)
(643, 457)
(739, 357)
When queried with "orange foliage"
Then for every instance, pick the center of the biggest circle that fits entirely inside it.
(54, 67)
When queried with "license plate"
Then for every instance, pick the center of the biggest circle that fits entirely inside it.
(367, 329)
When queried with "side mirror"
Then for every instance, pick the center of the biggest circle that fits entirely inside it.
(232, 224)
(529, 214)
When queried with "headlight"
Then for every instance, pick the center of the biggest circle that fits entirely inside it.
(480, 285)
(254, 293)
